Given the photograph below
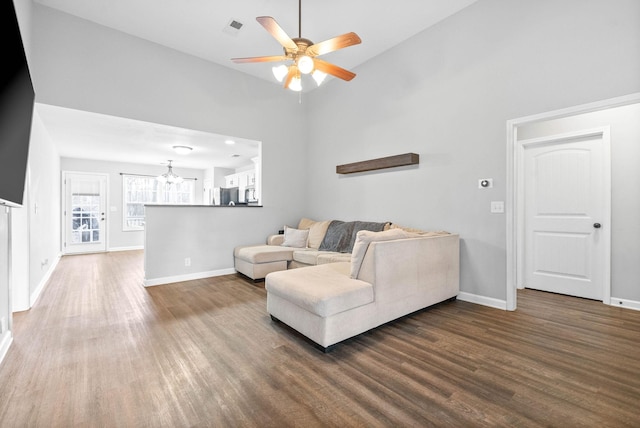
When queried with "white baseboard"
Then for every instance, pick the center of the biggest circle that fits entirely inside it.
(137, 247)
(482, 300)
(188, 277)
(43, 282)
(624, 303)
(5, 344)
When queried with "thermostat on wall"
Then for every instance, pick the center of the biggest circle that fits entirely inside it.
(485, 183)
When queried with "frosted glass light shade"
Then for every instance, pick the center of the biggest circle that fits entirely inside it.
(305, 64)
(319, 77)
(280, 71)
(295, 84)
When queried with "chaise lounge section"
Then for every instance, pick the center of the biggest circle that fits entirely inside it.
(391, 274)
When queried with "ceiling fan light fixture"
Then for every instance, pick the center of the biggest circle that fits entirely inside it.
(280, 71)
(319, 77)
(305, 64)
(295, 84)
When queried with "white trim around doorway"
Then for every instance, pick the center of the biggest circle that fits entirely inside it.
(513, 193)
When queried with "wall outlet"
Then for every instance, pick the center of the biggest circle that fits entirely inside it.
(187, 261)
(3, 325)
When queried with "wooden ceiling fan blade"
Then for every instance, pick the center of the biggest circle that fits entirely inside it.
(260, 59)
(333, 69)
(293, 72)
(340, 42)
(277, 32)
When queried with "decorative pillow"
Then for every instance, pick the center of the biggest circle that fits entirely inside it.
(317, 230)
(305, 223)
(364, 237)
(296, 238)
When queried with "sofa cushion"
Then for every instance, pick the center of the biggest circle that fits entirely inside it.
(364, 237)
(324, 290)
(263, 253)
(317, 230)
(307, 256)
(296, 238)
(310, 256)
(331, 257)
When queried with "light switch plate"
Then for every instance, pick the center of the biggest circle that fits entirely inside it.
(497, 207)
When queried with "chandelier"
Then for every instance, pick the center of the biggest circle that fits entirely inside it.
(169, 177)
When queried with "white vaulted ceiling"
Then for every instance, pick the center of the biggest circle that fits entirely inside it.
(201, 28)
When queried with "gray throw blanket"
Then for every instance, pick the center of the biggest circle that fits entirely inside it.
(341, 235)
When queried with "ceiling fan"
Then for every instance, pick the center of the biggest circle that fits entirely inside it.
(303, 52)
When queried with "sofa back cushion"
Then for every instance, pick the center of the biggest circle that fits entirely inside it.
(317, 230)
(364, 238)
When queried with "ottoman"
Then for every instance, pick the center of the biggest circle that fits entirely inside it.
(256, 261)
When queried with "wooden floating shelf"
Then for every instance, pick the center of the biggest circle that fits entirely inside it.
(380, 163)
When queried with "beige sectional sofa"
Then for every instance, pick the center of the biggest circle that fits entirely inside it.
(256, 261)
(376, 276)
(390, 275)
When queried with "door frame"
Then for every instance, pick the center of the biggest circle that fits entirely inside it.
(605, 233)
(514, 195)
(63, 217)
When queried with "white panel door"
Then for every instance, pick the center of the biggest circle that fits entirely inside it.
(566, 208)
(84, 212)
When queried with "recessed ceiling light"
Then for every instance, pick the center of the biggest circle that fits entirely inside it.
(229, 142)
(235, 156)
(182, 150)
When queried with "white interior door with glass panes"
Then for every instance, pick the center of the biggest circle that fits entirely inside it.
(84, 213)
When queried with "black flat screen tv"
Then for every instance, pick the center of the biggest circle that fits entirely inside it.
(16, 110)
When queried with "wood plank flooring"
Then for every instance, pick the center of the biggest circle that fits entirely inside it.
(100, 350)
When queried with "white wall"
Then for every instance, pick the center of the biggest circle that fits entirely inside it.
(624, 123)
(118, 239)
(447, 94)
(44, 207)
(35, 230)
(207, 235)
(84, 66)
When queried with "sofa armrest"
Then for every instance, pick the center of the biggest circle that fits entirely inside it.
(275, 239)
(420, 265)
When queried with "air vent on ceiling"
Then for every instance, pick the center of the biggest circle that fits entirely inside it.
(233, 27)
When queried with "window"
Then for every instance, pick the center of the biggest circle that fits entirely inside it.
(140, 190)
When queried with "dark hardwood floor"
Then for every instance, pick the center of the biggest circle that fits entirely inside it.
(100, 350)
